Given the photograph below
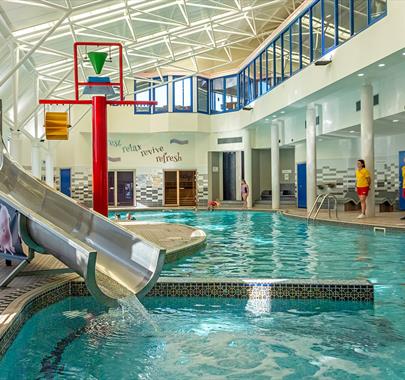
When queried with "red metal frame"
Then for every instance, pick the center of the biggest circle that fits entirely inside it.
(76, 70)
(99, 124)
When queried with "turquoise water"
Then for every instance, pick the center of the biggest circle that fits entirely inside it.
(201, 338)
(268, 245)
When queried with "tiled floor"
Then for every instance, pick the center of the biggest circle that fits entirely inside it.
(384, 219)
(170, 237)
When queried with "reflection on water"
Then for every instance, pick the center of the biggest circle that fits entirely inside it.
(269, 245)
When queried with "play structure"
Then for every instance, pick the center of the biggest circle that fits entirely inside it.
(113, 261)
(94, 86)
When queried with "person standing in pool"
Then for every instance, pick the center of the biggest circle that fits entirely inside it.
(244, 192)
(363, 182)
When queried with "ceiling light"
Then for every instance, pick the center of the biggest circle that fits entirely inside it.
(395, 121)
(403, 53)
(381, 65)
(352, 131)
(282, 112)
(266, 119)
(360, 75)
(274, 115)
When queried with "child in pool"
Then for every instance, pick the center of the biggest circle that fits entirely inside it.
(212, 205)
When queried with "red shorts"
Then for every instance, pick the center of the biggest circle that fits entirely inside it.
(403, 193)
(363, 191)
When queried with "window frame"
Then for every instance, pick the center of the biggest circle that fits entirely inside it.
(174, 93)
(136, 112)
(207, 112)
(165, 78)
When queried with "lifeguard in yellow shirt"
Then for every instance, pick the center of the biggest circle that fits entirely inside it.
(363, 182)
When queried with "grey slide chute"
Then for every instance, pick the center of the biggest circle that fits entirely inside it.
(113, 261)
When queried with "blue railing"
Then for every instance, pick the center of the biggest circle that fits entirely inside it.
(313, 33)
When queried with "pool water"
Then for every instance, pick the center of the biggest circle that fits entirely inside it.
(201, 338)
(270, 245)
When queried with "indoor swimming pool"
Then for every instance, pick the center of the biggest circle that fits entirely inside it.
(208, 338)
(270, 245)
(218, 338)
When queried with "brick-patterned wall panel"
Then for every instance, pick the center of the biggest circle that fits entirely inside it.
(149, 188)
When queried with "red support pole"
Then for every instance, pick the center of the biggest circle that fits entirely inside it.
(100, 163)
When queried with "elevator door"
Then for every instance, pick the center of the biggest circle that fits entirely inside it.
(229, 176)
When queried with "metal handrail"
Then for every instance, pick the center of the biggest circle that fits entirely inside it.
(323, 198)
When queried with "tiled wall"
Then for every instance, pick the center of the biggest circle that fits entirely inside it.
(386, 178)
(148, 187)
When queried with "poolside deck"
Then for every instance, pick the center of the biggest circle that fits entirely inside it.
(41, 271)
(381, 219)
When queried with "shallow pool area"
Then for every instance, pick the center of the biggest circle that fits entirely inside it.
(271, 245)
(208, 338)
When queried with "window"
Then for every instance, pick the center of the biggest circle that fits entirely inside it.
(378, 8)
(231, 93)
(241, 89)
(182, 95)
(360, 19)
(316, 32)
(286, 55)
(277, 56)
(160, 94)
(295, 47)
(252, 81)
(246, 85)
(305, 40)
(142, 92)
(263, 78)
(257, 76)
(217, 93)
(328, 24)
(270, 67)
(202, 95)
(344, 28)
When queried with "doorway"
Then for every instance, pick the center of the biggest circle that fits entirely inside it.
(302, 185)
(229, 176)
(65, 182)
(401, 179)
(121, 188)
(180, 187)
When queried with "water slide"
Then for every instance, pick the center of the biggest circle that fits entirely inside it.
(113, 261)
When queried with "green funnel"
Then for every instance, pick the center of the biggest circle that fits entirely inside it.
(97, 59)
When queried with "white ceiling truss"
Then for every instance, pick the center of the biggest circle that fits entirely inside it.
(159, 36)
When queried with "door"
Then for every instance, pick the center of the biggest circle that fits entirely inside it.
(401, 179)
(125, 188)
(171, 188)
(187, 188)
(65, 182)
(229, 176)
(111, 188)
(302, 185)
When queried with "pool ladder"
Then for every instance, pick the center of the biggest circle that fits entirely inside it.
(322, 198)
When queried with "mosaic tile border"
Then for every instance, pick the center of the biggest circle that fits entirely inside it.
(362, 291)
(262, 289)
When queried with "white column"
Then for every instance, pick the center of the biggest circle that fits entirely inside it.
(36, 159)
(49, 166)
(367, 140)
(248, 165)
(275, 167)
(15, 145)
(311, 156)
